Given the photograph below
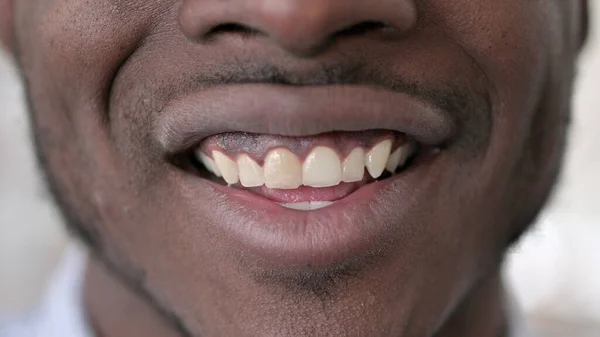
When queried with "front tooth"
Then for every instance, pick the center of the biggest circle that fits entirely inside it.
(399, 157)
(353, 168)
(376, 159)
(322, 168)
(227, 167)
(282, 170)
(251, 174)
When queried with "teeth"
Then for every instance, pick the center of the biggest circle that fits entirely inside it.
(208, 163)
(322, 168)
(399, 157)
(251, 174)
(308, 206)
(227, 167)
(282, 170)
(353, 168)
(376, 159)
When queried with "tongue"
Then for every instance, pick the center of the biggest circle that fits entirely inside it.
(306, 193)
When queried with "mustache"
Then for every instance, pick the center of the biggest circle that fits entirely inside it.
(445, 96)
(469, 108)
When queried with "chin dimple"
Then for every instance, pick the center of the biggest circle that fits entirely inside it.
(322, 167)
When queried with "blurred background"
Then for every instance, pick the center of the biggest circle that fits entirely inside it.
(554, 271)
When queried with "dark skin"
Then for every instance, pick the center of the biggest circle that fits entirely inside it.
(98, 74)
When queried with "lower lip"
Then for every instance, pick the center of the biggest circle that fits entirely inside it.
(357, 225)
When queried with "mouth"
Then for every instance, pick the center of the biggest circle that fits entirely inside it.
(305, 176)
(304, 173)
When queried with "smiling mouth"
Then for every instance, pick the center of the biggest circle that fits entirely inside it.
(304, 173)
(301, 148)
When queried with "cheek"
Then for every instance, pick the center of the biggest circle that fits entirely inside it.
(525, 69)
(80, 44)
(69, 59)
(516, 63)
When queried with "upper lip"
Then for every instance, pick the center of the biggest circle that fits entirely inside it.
(299, 111)
(295, 100)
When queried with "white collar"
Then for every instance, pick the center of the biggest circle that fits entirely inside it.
(62, 312)
(515, 317)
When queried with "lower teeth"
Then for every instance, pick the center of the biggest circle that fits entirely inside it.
(308, 205)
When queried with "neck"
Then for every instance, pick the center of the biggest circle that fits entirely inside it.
(115, 310)
(483, 313)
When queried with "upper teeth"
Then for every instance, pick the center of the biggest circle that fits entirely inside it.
(209, 164)
(251, 174)
(282, 170)
(353, 167)
(322, 167)
(377, 158)
(227, 167)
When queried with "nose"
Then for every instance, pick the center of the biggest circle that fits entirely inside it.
(299, 26)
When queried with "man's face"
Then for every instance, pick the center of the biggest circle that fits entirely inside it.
(295, 99)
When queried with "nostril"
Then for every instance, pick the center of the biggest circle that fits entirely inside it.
(363, 27)
(231, 28)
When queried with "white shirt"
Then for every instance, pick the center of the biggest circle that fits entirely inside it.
(61, 312)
